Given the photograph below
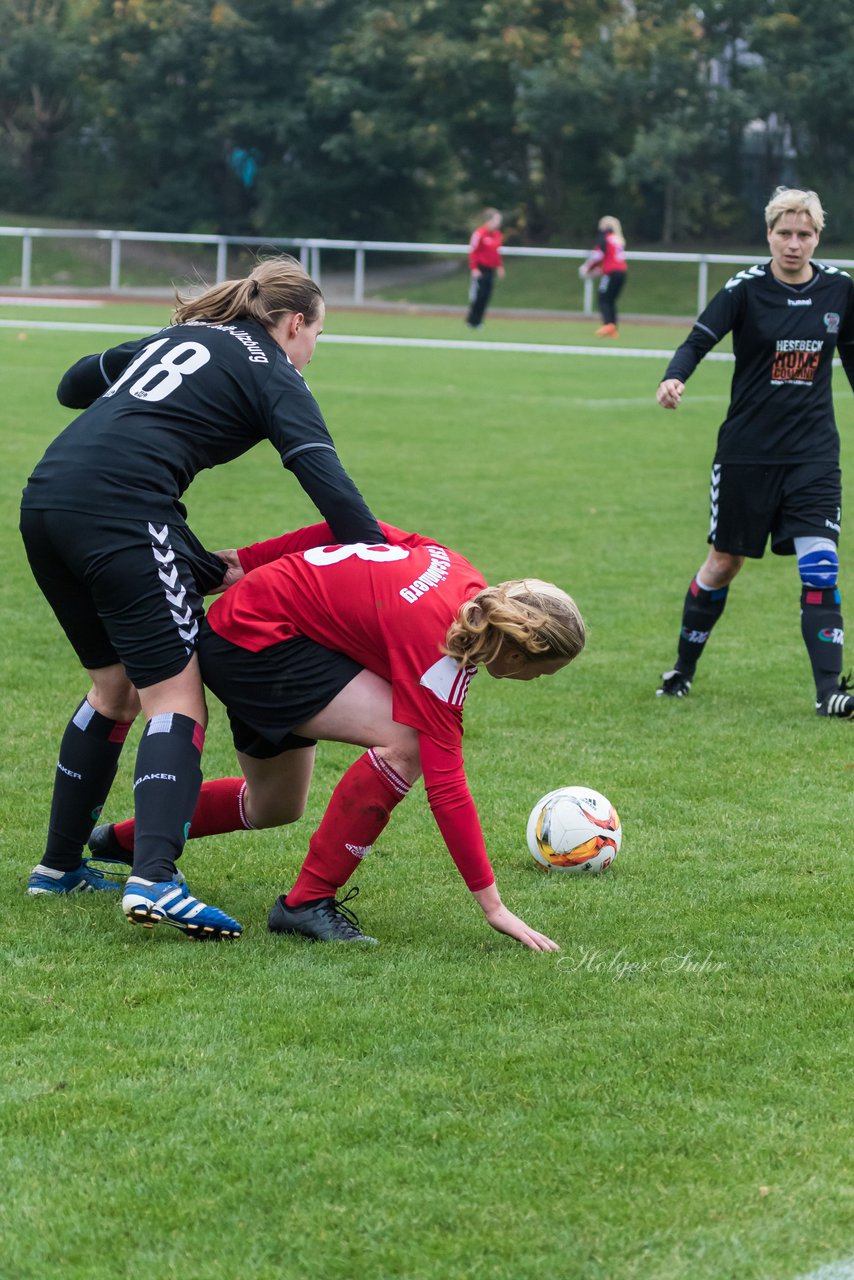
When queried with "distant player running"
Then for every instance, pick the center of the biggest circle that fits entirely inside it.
(377, 646)
(108, 543)
(776, 470)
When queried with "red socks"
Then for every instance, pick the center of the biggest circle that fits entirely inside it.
(220, 809)
(358, 812)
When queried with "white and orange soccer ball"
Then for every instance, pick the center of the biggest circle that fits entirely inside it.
(574, 829)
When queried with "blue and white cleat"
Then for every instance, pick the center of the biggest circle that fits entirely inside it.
(170, 902)
(85, 879)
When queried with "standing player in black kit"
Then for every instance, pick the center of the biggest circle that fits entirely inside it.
(108, 543)
(776, 469)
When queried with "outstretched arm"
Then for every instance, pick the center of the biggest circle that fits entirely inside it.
(457, 819)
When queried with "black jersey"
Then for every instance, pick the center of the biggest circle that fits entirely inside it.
(784, 338)
(160, 409)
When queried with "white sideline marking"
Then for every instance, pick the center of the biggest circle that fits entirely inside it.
(49, 302)
(841, 1270)
(436, 344)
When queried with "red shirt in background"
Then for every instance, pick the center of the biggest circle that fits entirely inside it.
(609, 255)
(485, 248)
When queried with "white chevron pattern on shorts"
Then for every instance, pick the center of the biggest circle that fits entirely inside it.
(714, 497)
(188, 628)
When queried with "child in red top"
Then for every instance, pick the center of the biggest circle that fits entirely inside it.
(484, 264)
(374, 645)
(608, 261)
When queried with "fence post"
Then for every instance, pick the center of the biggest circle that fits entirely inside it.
(588, 296)
(315, 265)
(359, 279)
(27, 261)
(304, 257)
(702, 285)
(221, 259)
(115, 261)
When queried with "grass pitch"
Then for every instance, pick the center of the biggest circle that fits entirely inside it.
(669, 1098)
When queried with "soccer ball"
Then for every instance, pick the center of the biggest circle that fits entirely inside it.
(574, 829)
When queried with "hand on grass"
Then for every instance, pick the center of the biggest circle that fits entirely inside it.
(504, 921)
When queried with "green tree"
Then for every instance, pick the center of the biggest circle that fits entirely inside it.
(41, 57)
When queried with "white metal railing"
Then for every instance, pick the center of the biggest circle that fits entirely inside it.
(310, 254)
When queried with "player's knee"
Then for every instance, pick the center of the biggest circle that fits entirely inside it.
(273, 810)
(818, 561)
(402, 755)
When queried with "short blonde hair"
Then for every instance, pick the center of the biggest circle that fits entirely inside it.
(535, 617)
(612, 224)
(794, 200)
(275, 287)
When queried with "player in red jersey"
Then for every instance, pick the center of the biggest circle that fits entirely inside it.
(607, 261)
(485, 263)
(374, 645)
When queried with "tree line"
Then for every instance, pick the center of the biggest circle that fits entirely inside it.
(399, 119)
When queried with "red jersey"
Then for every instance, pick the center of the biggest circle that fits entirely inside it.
(608, 256)
(485, 248)
(389, 607)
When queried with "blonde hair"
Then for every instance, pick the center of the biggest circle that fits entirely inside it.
(612, 224)
(275, 287)
(794, 200)
(535, 617)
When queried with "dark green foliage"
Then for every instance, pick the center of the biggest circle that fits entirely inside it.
(400, 120)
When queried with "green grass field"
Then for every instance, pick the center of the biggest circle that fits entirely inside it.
(668, 1098)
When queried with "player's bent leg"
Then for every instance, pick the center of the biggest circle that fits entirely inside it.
(704, 603)
(358, 811)
(166, 789)
(276, 790)
(88, 759)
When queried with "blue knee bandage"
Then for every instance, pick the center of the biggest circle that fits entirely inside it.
(818, 561)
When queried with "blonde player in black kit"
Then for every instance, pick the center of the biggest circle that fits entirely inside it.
(108, 543)
(776, 470)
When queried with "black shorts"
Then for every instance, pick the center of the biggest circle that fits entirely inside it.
(267, 693)
(125, 591)
(751, 502)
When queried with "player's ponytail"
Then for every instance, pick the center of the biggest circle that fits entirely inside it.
(535, 617)
(275, 287)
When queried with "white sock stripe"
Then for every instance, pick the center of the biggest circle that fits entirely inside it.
(241, 796)
(161, 723)
(83, 715)
(392, 777)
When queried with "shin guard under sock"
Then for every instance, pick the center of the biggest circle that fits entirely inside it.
(357, 813)
(88, 760)
(166, 787)
(219, 810)
(699, 614)
(821, 628)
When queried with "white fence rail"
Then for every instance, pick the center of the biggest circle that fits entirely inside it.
(310, 251)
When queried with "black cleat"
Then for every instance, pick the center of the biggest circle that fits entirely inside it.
(674, 684)
(105, 847)
(323, 920)
(108, 853)
(840, 703)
